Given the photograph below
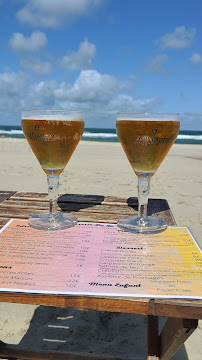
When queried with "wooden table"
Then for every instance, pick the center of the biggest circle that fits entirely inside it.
(182, 315)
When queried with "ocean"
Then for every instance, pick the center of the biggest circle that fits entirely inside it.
(105, 135)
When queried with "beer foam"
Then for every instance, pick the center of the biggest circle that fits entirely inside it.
(145, 119)
(53, 117)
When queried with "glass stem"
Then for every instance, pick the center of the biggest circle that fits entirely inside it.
(143, 194)
(53, 188)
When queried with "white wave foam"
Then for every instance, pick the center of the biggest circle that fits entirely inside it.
(11, 132)
(98, 135)
(188, 137)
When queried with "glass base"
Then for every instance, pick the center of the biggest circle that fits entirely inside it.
(46, 221)
(150, 225)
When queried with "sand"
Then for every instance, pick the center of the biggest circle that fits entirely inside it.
(103, 169)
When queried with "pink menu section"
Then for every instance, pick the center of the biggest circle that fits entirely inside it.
(99, 259)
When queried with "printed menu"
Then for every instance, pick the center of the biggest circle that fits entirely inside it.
(100, 259)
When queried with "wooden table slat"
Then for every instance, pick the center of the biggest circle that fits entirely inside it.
(85, 207)
(76, 198)
(69, 207)
(113, 304)
(4, 195)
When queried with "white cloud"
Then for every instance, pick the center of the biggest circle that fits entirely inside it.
(131, 104)
(35, 42)
(196, 59)
(12, 87)
(12, 83)
(156, 64)
(100, 96)
(80, 59)
(89, 86)
(180, 38)
(52, 13)
(42, 93)
(36, 66)
(31, 44)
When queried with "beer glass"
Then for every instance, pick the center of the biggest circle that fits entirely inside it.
(146, 138)
(53, 136)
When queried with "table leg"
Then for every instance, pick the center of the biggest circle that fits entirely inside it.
(174, 334)
(152, 338)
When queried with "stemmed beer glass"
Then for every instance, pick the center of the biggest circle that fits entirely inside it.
(146, 138)
(53, 136)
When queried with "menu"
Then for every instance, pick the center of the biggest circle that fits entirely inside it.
(100, 259)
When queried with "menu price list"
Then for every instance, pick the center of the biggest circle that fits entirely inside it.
(100, 259)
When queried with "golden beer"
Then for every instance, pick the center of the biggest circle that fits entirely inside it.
(53, 141)
(146, 142)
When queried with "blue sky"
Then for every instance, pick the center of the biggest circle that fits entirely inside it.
(101, 56)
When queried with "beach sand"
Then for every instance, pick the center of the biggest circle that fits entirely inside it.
(103, 169)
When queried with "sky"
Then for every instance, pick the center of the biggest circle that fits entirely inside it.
(101, 57)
